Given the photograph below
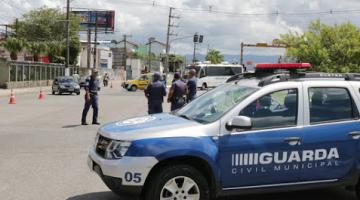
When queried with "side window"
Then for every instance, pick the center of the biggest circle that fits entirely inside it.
(331, 104)
(275, 110)
(143, 78)
(202, 73)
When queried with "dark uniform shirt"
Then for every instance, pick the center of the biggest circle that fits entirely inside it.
(192, 84)
(179, 89)
(155, 92)
(93, 85)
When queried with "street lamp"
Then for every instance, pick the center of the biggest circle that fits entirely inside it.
(151, 40)
(198, 39)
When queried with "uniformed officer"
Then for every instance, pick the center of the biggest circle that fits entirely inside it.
(91, 97)
(177, 94)
(155, 93)
(192, 86)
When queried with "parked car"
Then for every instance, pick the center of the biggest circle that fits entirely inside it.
(65, 84)
(280, 132)
(82, 81)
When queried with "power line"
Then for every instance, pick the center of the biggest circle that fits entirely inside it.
(242, 14)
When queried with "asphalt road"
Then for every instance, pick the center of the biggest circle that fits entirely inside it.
(43, 149)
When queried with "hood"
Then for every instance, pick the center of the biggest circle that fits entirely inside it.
(66, 84)
(152, 126)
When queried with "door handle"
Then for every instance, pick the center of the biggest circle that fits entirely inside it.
(355, 135)
(293, 141)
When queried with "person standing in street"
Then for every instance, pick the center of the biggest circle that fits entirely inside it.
(155, 93)
(91, 98)
(191, 86)
(106, 79)
(177, 94)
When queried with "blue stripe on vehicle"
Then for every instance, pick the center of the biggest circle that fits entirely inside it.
(163, 148)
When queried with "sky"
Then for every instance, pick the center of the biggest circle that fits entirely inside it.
(224, 23)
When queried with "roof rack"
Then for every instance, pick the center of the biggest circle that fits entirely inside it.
(238, 77)
(304, 75)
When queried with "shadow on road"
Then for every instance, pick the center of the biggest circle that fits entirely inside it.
(326, 194)
(100, 196)
(72, 126)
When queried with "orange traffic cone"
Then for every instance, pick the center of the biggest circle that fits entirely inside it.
(41, 95)
(12, 98)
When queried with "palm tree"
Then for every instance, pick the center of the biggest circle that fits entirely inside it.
(214, 56)
(36, 48)
(14, 46)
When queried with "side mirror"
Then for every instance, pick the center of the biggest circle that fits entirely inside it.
(239, 122)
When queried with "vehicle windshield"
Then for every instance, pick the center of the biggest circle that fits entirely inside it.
(213, 105)
(66, 80)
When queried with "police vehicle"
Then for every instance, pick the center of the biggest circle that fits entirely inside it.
(272, 130)
(213, 75)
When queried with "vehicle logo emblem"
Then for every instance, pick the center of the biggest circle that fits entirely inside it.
(134, 121)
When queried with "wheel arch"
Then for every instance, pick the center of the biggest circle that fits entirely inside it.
(201, 164)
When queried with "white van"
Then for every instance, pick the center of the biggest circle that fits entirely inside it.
(213, 75)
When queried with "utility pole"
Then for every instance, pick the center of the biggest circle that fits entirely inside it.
(88, 64)
(6, 31)
(16, 27)
(95, 44)
(67, 71)
(125, 50)
(169, 33)
(242, 54)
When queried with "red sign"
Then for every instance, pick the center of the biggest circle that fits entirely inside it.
(283, 66)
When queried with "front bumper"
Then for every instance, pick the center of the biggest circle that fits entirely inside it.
(69, 90)
(131, 172)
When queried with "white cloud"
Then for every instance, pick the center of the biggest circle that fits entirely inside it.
(224, 31)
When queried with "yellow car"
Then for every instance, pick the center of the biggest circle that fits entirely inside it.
(138, 83)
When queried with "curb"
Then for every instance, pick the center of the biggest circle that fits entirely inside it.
(7, 92)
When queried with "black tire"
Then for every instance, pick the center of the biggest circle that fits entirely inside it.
(176, 172)
(204, 86)
(60, 93)
(78, 93)
(133, 88)
(53, 92)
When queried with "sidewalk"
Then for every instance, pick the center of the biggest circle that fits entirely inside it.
(7, 92)
(17, 91)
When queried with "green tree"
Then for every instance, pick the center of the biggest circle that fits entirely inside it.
(175, 62)
(48, 25)
(328, 48)
(14, 46)
(54, 51)
(214, 56)
(36, 48)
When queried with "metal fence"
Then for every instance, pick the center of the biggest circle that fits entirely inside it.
(19, 71)
(27, 74)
